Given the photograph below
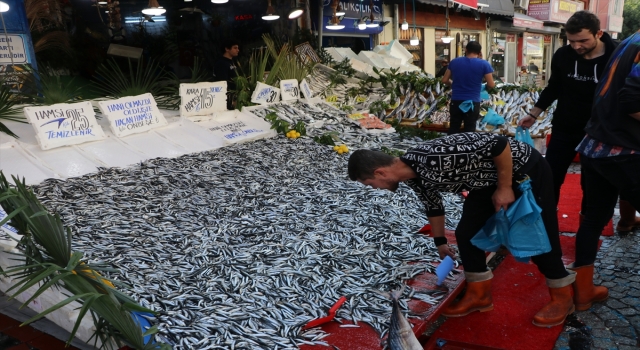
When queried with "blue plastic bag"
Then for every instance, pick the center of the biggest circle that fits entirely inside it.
(442, 271)
(520, 228)
(523, 135)
(483, 92)
(466, 106)
(493, 118)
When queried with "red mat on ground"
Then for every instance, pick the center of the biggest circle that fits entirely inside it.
(569, 205)
(519, 291)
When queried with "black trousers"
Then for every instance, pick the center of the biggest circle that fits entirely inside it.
(603, 179)
(478, 208)
(457, 116)
(560, 154)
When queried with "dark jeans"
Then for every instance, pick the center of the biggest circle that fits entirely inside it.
(560, 154)
(603, 179)
(478, 208)
(457, 116)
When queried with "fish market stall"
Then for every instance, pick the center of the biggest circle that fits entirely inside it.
(237, 236)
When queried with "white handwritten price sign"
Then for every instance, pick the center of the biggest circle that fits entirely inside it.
(265, 94)
(305, 88)
(203, 98)
(64, 124)
(289, 89)
(132, 114)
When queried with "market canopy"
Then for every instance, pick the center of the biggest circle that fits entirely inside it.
(497, 7)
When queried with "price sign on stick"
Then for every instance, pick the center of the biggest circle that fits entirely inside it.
(203, 98)
(265, 94)
(64, 124)
(306, 89)
(289, 89)
(132, 114)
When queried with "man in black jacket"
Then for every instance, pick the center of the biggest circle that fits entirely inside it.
(575, 71)
(610, 157)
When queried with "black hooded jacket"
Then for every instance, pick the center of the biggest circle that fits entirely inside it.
(573, 82)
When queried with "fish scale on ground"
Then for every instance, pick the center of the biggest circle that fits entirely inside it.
(279, 233)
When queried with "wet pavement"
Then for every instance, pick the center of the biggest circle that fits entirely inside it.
(614, 323)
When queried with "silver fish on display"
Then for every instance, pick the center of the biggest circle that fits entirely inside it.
(401, 336)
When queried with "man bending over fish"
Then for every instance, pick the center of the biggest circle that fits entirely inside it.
(488, 166)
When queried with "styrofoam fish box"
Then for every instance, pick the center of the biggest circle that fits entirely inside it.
(373, 59)
(363, 68)
(393, 62)
(346, 52)
(337, 56)
(396, 50)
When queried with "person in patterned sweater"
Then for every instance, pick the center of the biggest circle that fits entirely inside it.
(488, 167)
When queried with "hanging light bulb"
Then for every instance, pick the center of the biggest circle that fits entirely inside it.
(447, 38)
(154, 9)
(271, 13)
(296, 12)
(405, 25)
(413, 40)
(362, 24)
(219, 1)
(340, 11)
(334, 24)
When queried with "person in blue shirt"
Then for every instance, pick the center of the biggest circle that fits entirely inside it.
(464, 75)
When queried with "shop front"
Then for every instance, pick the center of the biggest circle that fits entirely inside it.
(361, 21)
(464, 24)
(522, 50)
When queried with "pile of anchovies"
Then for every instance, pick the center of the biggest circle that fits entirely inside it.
(240, 247)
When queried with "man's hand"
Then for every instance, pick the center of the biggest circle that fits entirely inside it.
(502, 197)
(527, 121)
(444, 250)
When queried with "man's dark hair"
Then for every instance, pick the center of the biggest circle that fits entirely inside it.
(474, 47)
(582, 20)
(364, 162)
(227, 44)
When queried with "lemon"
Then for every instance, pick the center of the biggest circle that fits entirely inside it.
(297, 134)
(335, 148)
(340, 151)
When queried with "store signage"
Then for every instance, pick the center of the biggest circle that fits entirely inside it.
(352, 8)
(132, 114)
(243, 17)
(289, 89)
(511, 38)
(526, 23)
(554, 10)
(12, 49)
(203, 98)
(547, 39)
(305, 88)
(265, 94)
(539, 9)
(64, 124)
